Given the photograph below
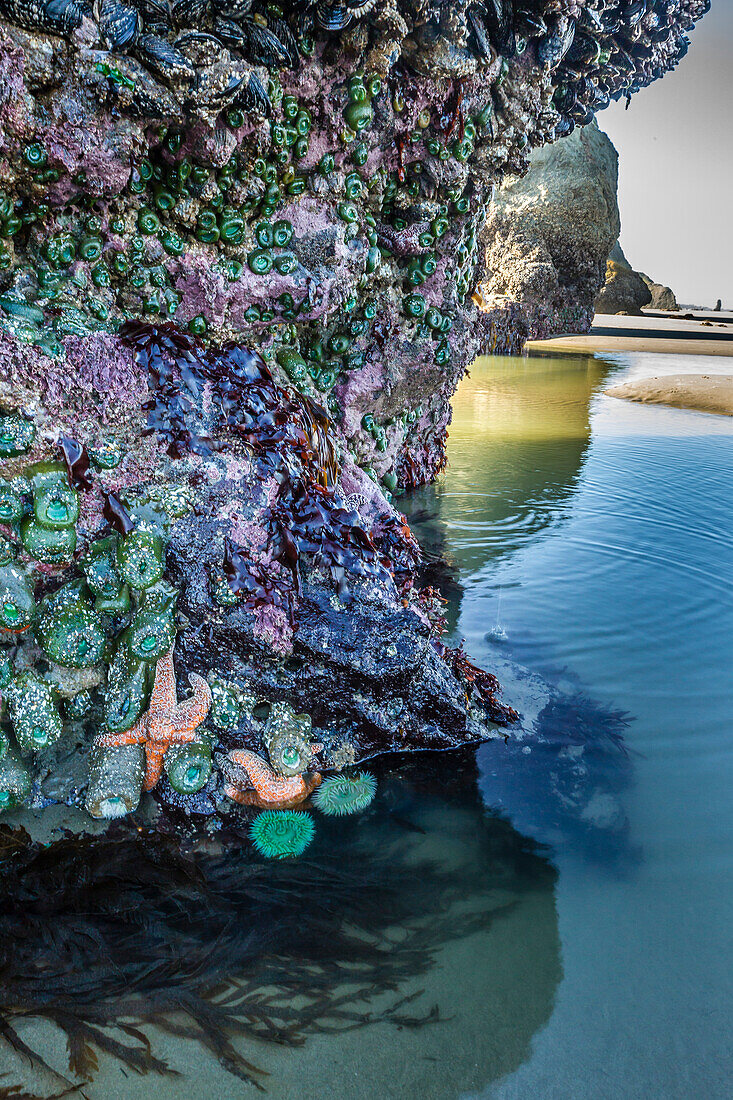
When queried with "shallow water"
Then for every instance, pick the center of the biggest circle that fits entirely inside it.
(591, 543)
(595, 537)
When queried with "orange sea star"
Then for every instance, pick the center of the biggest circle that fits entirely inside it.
(166, 722)
(271, 791)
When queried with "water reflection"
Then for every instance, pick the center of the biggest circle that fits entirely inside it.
(150, 955)
(520, 431)
(520, 437)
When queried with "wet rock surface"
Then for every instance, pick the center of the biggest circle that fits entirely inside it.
(240, 253)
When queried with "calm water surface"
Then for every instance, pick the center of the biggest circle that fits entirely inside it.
(586, 892)
(595, 537)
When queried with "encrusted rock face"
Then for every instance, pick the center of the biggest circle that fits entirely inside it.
(550, 233)
(312, 181)
(157, 499)
(180, 183)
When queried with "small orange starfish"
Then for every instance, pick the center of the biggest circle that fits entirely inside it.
(166, 722)
(271, 791)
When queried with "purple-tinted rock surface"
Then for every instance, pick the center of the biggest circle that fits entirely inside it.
(313, 184)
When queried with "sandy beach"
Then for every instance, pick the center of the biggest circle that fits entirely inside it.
(706, 333)
(704, 392)
(690, 333)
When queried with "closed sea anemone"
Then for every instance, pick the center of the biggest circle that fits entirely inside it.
(281, 834)
(345, 794)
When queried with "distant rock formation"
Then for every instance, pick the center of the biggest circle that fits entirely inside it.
(663, 297)
(550, 233)
(629, 291)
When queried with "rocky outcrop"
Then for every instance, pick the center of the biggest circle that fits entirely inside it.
(238, 259)
(316, 186)
(549, 234)
(624, 291)
(663, 297)
(629, 291)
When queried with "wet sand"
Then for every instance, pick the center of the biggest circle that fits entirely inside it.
(703, 392)
(705, 334)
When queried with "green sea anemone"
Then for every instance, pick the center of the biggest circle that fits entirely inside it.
(43, 544)
(150, 635)
(115, 780)
(140, 559)
(17, 605)
(34, 712)
(345, 794)
(55, 502)
(188, 767)
(15, 782)
(281, 834)
(128, 687)
(16, 434)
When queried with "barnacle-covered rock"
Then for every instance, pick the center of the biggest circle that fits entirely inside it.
(34, 712)
(240, 257)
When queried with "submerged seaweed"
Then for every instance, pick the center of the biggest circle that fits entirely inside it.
(104, 936)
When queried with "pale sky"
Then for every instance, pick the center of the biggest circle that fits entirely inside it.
(675, 147)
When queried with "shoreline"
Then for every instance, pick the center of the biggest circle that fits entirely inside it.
(677, 334)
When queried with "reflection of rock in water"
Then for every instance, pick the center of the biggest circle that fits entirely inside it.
(564, 784)
(520, 431)
(226, 954)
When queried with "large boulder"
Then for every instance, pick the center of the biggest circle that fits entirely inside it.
(550, 233)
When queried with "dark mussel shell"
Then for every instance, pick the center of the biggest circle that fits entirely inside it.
(555, 45)
(333, 17)
(163, 58)
(120, 24)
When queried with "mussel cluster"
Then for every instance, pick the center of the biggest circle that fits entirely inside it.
(215, 54)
